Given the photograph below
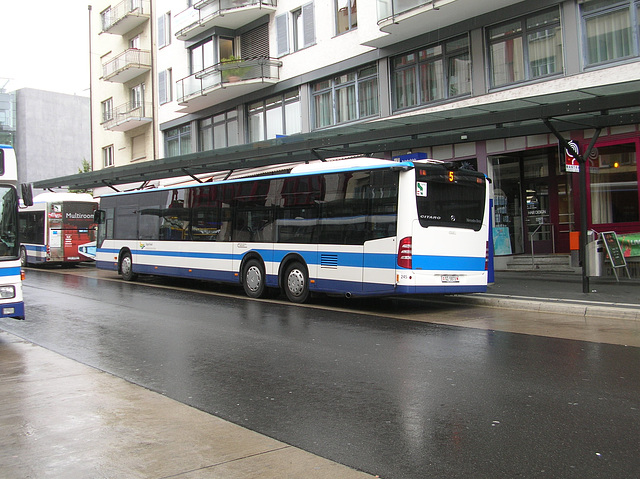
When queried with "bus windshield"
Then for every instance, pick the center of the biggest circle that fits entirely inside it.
(8, 223)
(451, 198)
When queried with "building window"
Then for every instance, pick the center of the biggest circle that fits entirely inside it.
(107, 156)
(608, 31)
(346, 15)
(346, 97)
(138, 144)
(218, 131)
(178, 141)
(526, 49)
(613, 176)
(165, 93)
(137, 96)
(276, 116)
(135, 42)
(164, 30)
(202, 56)
(303, 30)
(438, 72)
(107, 110)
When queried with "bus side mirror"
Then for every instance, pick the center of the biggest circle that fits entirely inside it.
(99, 217)
(27, 194)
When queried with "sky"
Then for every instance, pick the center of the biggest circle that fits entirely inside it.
(45, 45)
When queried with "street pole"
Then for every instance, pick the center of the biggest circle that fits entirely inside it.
(582, 163)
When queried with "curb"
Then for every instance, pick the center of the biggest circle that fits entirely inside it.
(542, 305)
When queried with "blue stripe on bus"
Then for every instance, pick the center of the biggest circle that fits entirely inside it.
(448, 263)
(36, 248)
(15, 271)
(345, 259)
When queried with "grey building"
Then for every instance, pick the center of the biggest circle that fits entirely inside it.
(52, 134)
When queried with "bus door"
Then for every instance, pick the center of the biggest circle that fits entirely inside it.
(55, 232)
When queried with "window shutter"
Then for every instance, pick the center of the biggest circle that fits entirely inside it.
(161, 34)
(255, 43)
(162, 86)
(282, 34)
(137, 147)
(309, 25)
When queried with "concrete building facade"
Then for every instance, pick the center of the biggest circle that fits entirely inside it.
(49, 131)
(231, 72)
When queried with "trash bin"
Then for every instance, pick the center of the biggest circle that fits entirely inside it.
(595, 258)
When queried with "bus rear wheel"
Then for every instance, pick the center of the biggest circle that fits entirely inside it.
(253, 279)
(296, 282)
(126, 267)
(23, 257)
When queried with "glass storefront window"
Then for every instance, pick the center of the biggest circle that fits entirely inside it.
(613, 176)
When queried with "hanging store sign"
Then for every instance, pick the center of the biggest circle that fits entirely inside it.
(571, 157)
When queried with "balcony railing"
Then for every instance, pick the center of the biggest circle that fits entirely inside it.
(220, 13)
(127, 117)
(125, 16)
(226, 80)
(126, 66)
(388, 9)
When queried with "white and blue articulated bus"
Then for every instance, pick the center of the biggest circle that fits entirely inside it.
(11, 301)
(357, 227)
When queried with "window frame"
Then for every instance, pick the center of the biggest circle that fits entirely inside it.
(633, 10)
(181, 134)
(333, 89)
(413, 69)
(352, 15)
(106, 107)
(261, 109)
(207, 128)
(523, 34)
(108, 159)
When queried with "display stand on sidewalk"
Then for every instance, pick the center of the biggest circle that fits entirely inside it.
(615, 253)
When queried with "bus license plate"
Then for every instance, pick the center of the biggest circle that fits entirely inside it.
(448, 278)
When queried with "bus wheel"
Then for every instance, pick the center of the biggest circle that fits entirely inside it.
(126, 268)
(23, 256)
(253, 279)
(296, 282)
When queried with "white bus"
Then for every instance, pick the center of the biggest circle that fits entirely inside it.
(358, 227)
(11, 300)
(56, 228)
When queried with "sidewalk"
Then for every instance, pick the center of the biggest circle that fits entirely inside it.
(560, 293)
(62, 419)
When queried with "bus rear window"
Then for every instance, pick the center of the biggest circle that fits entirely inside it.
(450, 198)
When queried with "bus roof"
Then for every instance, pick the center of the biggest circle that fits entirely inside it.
(336, 166)
(58, 197)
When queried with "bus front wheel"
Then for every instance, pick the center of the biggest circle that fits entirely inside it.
(253, 279)
(23, 256)
(126, 267)
(296, 282)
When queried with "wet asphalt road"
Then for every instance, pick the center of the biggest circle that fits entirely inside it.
(394, 398)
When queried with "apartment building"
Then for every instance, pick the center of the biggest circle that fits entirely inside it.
(189, 79)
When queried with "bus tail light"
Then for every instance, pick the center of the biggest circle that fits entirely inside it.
(486, 257)
(405, 253)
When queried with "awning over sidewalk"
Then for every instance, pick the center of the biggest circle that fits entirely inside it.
(585, 108)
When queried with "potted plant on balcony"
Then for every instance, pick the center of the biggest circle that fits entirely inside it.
(231, 70)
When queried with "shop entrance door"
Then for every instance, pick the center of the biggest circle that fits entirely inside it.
(526, 202)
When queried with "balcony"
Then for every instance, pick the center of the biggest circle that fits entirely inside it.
(125, 16)
(225, 81)
(128, 65)
(230, 14)
(127, 117)
(400, 20)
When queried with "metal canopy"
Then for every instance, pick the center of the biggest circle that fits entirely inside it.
(593, 107)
